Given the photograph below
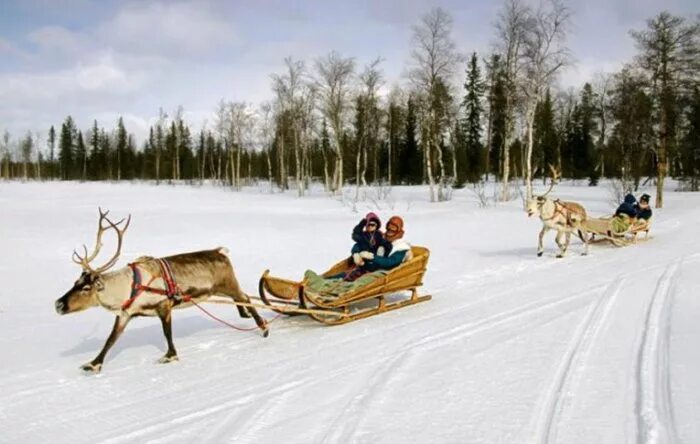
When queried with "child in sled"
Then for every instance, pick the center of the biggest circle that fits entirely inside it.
(368, 238)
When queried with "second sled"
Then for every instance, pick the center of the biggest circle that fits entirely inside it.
(602, 229)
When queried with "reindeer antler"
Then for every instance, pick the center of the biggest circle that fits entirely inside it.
(84, 261)
(555, 177)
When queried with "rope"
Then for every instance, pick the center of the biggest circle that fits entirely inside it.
(231, 325)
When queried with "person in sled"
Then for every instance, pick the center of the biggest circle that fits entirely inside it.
(632, 214)
(644, 214)
(400, 249)
(643, 208)
(368, 239)
(625, 215)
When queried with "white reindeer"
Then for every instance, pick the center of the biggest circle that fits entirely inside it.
(565, 217)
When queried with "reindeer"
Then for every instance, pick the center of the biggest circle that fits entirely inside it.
(171, 282)
(565, 217)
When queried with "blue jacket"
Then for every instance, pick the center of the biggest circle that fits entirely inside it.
(393, 260)
(628, 207)
(366, 241)
(643, 213)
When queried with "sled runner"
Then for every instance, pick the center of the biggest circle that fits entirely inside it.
(335, 302)
(620, 232)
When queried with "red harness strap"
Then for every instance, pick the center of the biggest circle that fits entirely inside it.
(170, 291)
(137, 289)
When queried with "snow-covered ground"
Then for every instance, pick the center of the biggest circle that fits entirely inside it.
(512, 348)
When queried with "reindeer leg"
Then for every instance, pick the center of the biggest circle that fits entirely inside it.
(540, 248)
(95, 365)
(165, 315)
(238, 296)
(584, 238)
(560, 244)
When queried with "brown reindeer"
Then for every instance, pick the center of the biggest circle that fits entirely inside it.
(140, 288)
(564, 217)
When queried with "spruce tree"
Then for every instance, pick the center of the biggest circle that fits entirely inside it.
(473, 107)
(411, 166)
(120, 148)
(66, 148)
(81, 158)
(546, 149)
(52, 146)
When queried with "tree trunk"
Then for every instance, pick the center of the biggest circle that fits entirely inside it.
(239, 148)
(429, 169)
(283, 164)
(339, 166)
(505, 194)
(299, 166)
(358, 159)
(528, 157)
(326, 176)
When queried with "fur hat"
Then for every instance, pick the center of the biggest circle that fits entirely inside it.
(645, 198)
(373, 217)
(394, 228)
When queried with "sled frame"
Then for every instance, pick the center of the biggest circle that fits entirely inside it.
(282, 295)
(602, 228)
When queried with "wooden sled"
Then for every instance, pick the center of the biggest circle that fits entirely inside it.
(291, 297)
(602, 230)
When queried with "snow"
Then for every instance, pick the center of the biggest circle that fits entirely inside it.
(512, 347)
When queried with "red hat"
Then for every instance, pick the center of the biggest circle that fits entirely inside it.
(394, 228)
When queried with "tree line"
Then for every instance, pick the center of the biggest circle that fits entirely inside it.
(501, 118)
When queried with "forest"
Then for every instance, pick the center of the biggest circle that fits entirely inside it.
(458, 118)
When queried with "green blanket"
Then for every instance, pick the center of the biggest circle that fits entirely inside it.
(620, 224)
(332, 288)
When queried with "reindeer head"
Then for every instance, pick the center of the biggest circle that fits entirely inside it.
(535, 203)
(85, 289)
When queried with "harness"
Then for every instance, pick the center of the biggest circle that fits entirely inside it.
(558, 205)
(172, 291)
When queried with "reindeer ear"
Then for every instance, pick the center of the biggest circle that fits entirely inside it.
(540, 199)
(99, 285)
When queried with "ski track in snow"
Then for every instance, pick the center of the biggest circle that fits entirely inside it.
(346, 424)
(352, 413)
(653, 408)
(574, 362)
(321, 384)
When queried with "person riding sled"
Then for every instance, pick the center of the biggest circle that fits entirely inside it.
(368, 238)
(632, 214)
(400, 249)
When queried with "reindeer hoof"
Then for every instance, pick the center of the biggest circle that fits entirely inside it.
(559, 256)
(539, 254)
(91, 368)
(266, 332)
(165, 359)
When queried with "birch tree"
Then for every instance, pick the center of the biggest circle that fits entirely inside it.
(434, 59)
(334, 78)
(265, 129)
(544, 54)
(511, 28)
(670, 54)
(371, 80)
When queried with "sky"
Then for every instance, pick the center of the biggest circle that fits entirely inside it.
(104, 59)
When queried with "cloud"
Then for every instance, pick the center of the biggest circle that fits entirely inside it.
(7, 47)
(167, 28)
(100, 75)
(58, 38)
